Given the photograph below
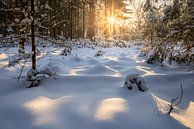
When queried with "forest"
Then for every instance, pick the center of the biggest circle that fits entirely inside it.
(102, 64)
(161, 25)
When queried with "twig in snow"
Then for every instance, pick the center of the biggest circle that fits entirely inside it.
(173, 101)
(22, 69)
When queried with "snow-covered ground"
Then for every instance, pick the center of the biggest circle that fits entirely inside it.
(87, 92)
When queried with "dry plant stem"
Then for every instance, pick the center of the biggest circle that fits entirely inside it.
(173, 101)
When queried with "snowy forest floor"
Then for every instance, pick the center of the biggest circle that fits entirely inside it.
(87, 93)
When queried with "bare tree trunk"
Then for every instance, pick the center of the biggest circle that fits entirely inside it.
(91, 29)
(33, 37)
(22, 42)
(105, 24)
(83, 22)
(77, 20)
(5, 30)
(71, 22)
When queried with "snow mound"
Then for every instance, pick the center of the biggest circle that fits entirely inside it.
(92, 61)
(132, 70)
(122, 61)
(134, 80)
(119, 67)
(100, 69)
(57, 67)
(112, 63)
(185, 116)
(76, 59)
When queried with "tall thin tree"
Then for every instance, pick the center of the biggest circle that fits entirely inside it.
(33, 36)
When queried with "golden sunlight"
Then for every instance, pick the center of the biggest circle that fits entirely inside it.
(108, 108)
(111, 20)
(2, 56)
(44, 109)
(186, 116)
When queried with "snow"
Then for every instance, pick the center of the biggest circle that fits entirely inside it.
(88, 92)
(57, 67)
(101, 69)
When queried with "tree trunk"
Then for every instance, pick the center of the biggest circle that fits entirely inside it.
(33, 37)
(91, 29)
(21, 44)
(83, 22)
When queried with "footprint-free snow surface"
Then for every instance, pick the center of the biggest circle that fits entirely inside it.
(86, 92)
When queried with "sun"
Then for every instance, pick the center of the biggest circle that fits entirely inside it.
(111, 20)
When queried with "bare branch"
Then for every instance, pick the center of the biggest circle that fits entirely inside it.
(172, 105)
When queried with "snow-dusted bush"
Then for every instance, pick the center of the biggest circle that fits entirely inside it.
(135, 80)
(47, 71)
(169, 52)
(66, 51)
(156, 55)
(32, 78)
(99, 53)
